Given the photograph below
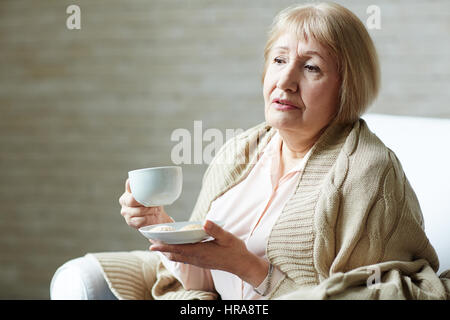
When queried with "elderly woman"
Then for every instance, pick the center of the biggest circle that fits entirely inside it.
(314, 205)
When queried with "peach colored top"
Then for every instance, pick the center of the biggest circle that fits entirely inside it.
(249, 211)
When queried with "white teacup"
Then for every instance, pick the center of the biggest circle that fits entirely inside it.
(157, 186)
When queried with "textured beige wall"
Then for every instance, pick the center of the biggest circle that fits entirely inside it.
(79, 108)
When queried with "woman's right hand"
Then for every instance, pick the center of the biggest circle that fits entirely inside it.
(136, 215)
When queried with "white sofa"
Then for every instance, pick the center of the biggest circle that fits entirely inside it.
(421, 144)
(423, 147)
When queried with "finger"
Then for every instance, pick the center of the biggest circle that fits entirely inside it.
(175, 257)
(153, 241)
(127, 200)
(137, 222)
(129, 212)
(163, 247)
(185, 250)
(122, 198)
(137, 212)
(185, 253)
(127, 186)
(175, 253)
(216, 232)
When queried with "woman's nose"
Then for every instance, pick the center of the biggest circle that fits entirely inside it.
(289, 79)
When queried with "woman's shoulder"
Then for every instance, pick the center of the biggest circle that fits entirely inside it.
(369, 149)
(368, 159)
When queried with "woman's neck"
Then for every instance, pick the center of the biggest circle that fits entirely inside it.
(295, 145)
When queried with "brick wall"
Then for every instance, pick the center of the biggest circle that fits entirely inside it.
(80, 108)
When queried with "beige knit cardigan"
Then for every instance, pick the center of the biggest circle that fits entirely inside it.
(353, 228)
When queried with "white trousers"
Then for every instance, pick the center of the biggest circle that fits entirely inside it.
(80, 279)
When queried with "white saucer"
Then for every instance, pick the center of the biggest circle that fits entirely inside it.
(177, 236)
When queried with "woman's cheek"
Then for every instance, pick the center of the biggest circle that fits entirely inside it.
(313, 97)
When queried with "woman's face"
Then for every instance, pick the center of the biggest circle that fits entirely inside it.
(301, 86)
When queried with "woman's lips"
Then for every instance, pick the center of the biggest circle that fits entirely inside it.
(283, 107)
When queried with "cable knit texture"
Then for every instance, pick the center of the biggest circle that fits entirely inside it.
(353, 228)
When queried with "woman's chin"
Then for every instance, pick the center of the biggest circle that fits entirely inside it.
(282, 122)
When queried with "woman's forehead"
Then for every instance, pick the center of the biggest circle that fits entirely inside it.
(289, 41)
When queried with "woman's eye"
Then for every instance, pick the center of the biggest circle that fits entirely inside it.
(311, 68)
(278, 60)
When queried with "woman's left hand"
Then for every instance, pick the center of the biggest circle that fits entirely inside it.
(226, 252)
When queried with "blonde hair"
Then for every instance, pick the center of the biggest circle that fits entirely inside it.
(348, 42)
